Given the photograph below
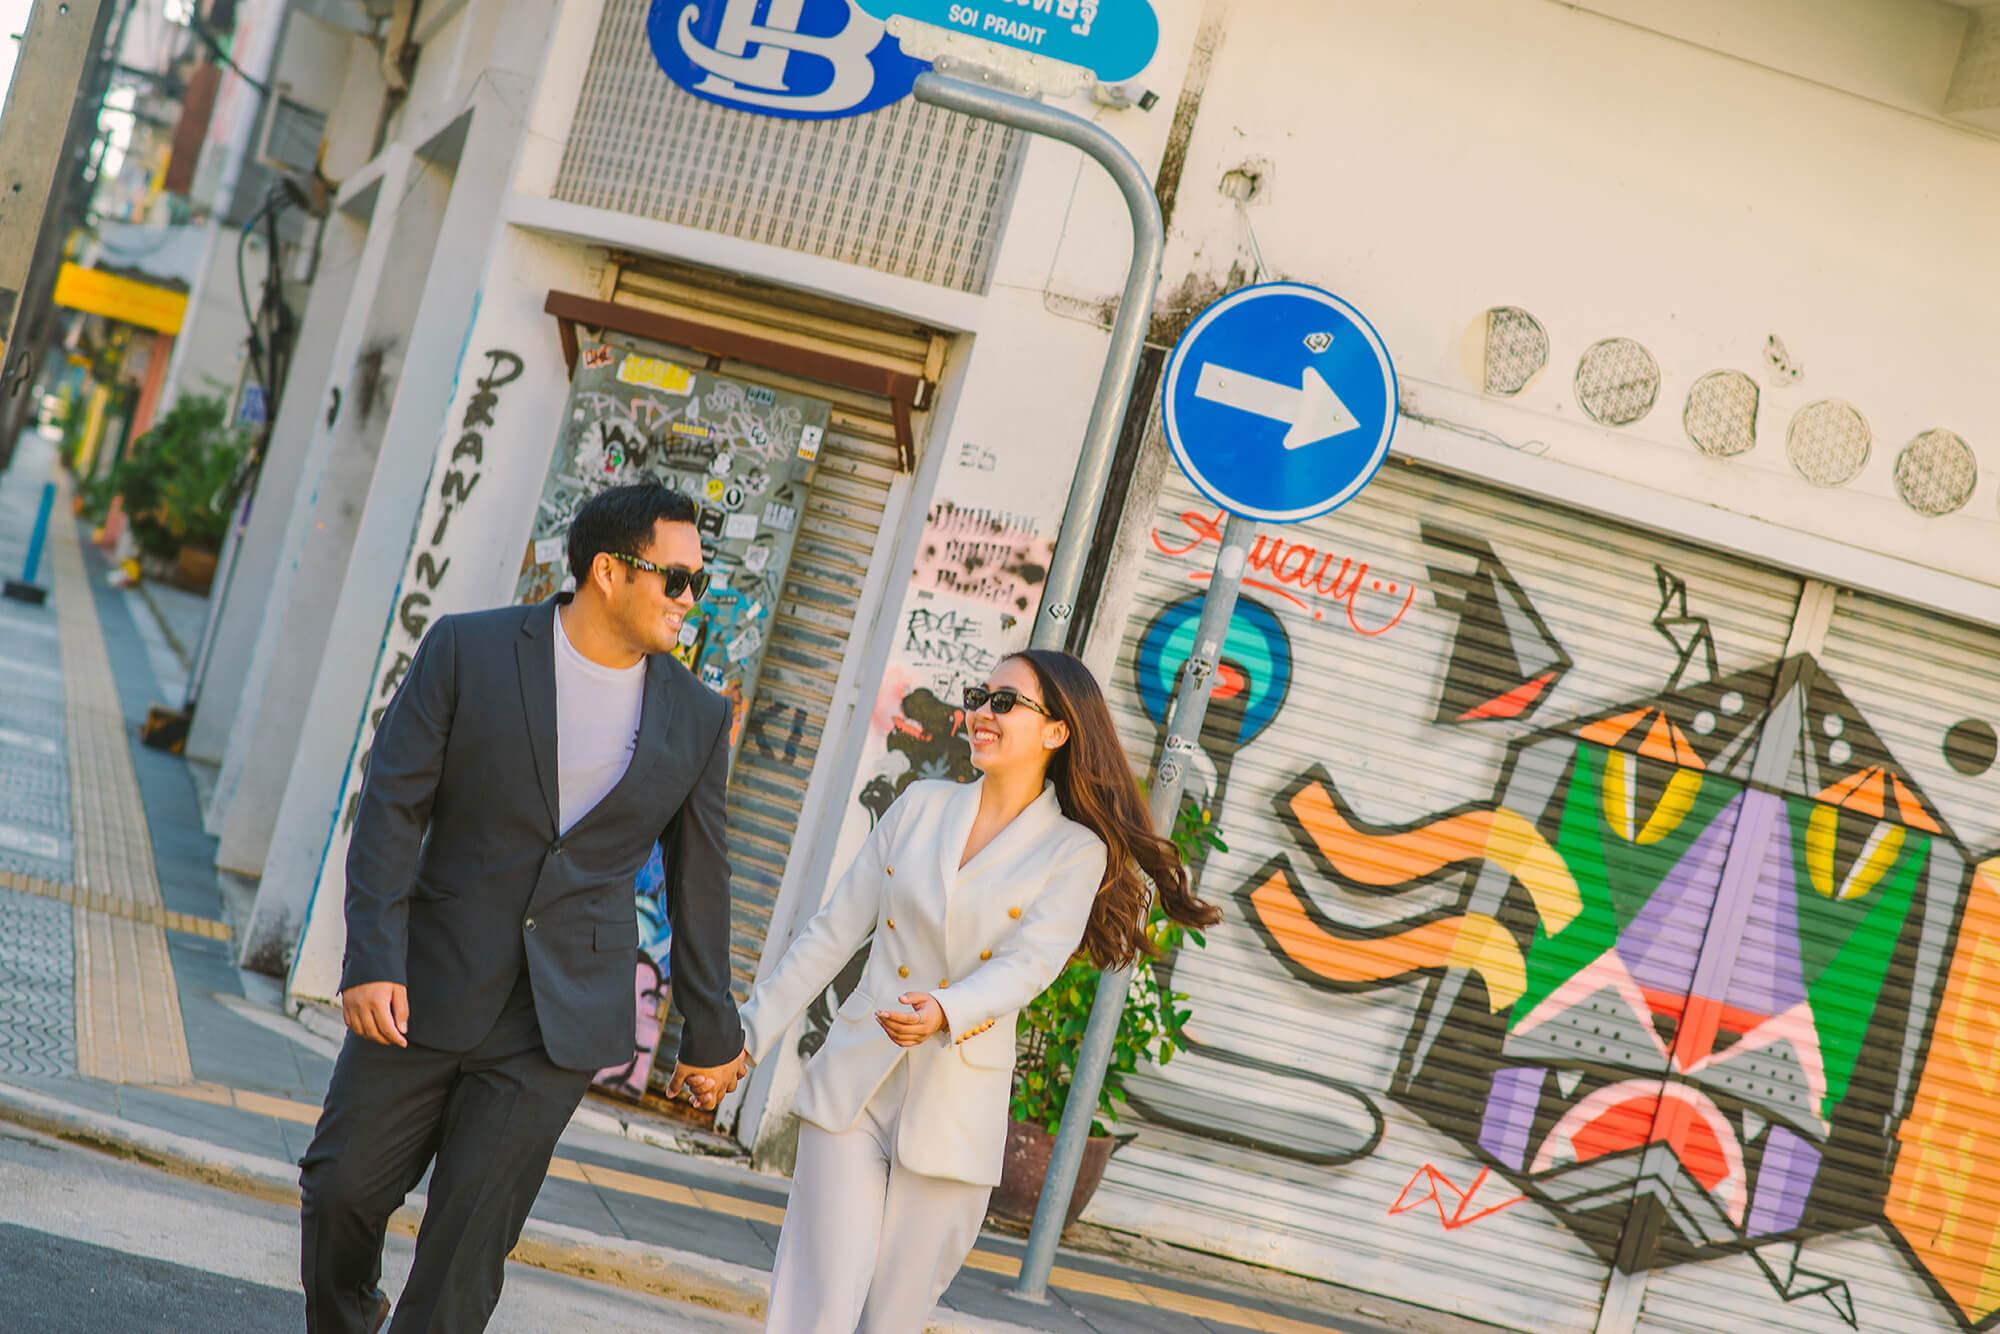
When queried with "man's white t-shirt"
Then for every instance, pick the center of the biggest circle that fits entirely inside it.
(597, 726)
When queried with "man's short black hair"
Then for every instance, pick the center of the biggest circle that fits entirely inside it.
(620, 519)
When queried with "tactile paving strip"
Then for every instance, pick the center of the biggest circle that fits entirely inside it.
(128, 1019)
(37, 982)
(111, 905)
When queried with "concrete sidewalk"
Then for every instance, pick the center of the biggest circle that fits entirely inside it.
(125, 1025)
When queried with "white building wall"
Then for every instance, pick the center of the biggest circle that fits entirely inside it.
(239, 604)
(1699, 178)
(1703, 179)
(1801, 183)
(1022, 395)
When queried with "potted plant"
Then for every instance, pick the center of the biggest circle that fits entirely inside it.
(179, 484)
(1050, 1035)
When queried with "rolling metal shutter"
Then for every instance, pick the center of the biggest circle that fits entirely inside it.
(1464, 1036)
(858, 463)
(1893, 815)
(809, 635)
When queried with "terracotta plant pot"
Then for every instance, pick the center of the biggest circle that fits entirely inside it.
(1027, 1162)
(194, 569)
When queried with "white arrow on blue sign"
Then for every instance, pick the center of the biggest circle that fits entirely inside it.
(1280, 402)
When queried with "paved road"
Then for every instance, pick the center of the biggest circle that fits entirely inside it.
(89, 1243)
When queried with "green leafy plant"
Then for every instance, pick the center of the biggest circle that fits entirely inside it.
(68, 418)
(95, 494)
(180, 480)
(1151, 1028)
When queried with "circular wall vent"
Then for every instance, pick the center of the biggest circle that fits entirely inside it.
(1828, 442)
(1935, 473)
(1721, 413)
(1617, 381)
(1517, 347)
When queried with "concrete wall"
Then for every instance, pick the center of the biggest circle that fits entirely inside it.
(1700, 179)
(309, 772)
(1775, 191)
(240, 603)
(326, 511)
(473, 554)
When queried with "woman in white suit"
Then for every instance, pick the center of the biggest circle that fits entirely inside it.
(975, 897)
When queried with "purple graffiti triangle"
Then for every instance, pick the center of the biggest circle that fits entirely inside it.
(1768, 977)
(1791, 1164)
(1510, 1113)
(1661, 943)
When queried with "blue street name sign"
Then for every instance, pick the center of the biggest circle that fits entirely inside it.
(1279, 402)
(255, 409)
(799, 59)
(1114, 39)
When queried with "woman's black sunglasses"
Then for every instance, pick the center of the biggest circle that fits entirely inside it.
(1003, 700)
(676, 579)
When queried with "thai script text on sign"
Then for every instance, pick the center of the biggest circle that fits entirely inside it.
(1114, 39)
(996, 21)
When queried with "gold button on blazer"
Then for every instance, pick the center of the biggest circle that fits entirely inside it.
(951, 922)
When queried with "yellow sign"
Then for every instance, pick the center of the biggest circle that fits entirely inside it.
(656, 374)
(126, 300)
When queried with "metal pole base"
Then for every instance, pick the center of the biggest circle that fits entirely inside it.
(30, 593)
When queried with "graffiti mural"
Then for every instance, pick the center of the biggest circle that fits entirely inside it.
(649, 982)
(1251, 678)
(1298, 573)
(978, 577)
(1705, 974)
(1504, 660)
(1617, 847)
(745, 455)
(990, 557)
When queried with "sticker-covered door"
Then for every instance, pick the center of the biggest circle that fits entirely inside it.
(745, 454)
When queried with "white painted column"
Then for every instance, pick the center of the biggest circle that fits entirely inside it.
(486, 462)
(330, 487)
(304, 778)
(242, 602)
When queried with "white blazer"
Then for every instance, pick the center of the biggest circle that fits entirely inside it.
(984, 940)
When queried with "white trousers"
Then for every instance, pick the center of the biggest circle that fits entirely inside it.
(868, 1246)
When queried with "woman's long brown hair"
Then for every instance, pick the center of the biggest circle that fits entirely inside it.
(1095, 787)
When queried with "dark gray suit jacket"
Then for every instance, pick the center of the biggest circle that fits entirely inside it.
(456, 878)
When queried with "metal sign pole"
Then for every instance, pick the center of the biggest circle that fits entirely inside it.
(1183, 729)
(1128, 330)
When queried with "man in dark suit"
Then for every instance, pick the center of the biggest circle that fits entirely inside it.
(518, 781)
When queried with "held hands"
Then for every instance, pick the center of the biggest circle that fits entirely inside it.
(378, 1011)
(705, 1084)
(907, 1030)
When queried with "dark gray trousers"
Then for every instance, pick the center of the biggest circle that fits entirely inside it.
(489, 1117)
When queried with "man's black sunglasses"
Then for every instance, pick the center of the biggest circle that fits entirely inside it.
(1003, 700)
(675, 578)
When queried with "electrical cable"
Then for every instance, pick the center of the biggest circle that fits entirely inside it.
(276, 200)
(243, 295)
(214, 45)
(269, 360)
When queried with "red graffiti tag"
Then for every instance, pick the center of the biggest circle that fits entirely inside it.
(1439, 1185)
(1293, 563)
(911, 728)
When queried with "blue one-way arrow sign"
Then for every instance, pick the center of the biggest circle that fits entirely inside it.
(1313, 411)
(1280, 402)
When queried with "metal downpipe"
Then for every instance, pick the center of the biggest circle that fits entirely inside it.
(1128, 329)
